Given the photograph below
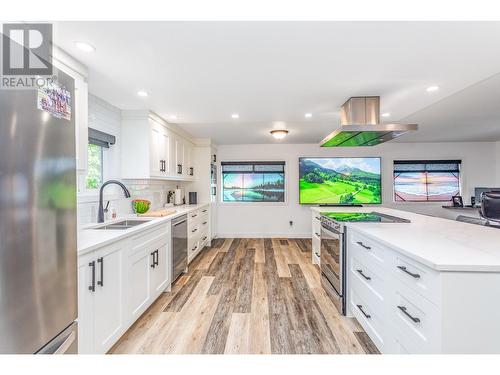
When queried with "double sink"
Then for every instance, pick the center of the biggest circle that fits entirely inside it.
(122, 225)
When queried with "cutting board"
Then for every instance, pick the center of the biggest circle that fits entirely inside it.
(158, 213)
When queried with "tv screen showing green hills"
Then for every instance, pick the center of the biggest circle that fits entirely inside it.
(340, 180)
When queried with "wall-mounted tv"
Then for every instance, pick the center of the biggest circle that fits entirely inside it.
(342, 181)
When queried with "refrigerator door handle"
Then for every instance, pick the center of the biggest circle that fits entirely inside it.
(63, 348)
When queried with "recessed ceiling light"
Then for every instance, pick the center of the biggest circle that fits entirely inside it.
(235, 115)
(85, 47)
(308, 115)
(142, 93)
(173, 117)
(432, 88)
(279, 133)
(386, 114)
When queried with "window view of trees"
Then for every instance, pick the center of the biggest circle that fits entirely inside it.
(94, 167)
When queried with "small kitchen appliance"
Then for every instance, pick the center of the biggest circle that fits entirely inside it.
(334, 251)
(193, 197)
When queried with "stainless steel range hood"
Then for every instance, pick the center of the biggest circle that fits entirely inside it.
(360, 125)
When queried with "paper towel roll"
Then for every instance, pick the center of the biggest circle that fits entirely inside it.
(178, 197)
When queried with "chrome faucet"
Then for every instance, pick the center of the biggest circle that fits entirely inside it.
(100, 213)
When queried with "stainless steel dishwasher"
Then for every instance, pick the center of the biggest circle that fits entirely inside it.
(179, 246)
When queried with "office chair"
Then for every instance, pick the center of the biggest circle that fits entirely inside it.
(490, 207)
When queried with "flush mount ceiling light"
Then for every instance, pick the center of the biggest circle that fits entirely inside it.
(142, 93)
(85, 47)
(432, 88)
(386, 114)
(235, 115)
(308, 115)
(279, 133)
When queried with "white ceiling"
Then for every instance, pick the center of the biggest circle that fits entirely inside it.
(277, 71)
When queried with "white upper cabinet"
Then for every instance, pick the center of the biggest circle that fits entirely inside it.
(151, 148)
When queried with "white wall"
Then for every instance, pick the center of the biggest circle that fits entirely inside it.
(480, 161)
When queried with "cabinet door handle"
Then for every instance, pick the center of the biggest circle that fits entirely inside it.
(153, 255)
(360, 307)
(319, 256)
(362, 274)
(414, 275)
(191, 171)
(404, 310)
(157, 261)
(101, 282)
(363, 245)
(179, 169)
(92, 285)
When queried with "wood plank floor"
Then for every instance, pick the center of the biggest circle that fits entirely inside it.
(247, 296)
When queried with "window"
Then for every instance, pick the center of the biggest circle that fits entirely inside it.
(94, 166)
(426, 180)
(98, 141)
(253, 181)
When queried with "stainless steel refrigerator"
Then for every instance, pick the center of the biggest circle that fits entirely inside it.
(38, 271)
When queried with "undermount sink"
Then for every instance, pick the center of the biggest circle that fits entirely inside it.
(121, 225)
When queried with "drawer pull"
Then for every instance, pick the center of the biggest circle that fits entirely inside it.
(318, 218)
(362, 274)
(360, 307)
(404, 310)
(204, 211)
(319, 256)
(363, 245)
(204, 238)
(194, 248)
(414, 275)
(194, 215)
(204, 223)
(317, 234)
(194, 230)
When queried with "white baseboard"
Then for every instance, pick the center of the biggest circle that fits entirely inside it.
(263, 235)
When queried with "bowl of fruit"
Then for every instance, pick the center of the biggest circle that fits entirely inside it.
(140, 206)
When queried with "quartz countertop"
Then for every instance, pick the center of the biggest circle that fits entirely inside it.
(441, 244)
(91, 239)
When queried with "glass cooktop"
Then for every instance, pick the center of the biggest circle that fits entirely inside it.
(375, 217)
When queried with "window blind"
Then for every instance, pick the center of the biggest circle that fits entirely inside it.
(419, 166)
(99, 138)
(253, 167)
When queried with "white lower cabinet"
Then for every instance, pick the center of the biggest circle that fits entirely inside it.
(101, 298)
(407, 307)
(117, 283)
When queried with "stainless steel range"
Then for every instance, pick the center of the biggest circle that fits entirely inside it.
(334, 250)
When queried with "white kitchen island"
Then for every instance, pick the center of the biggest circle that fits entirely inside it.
(429, 286)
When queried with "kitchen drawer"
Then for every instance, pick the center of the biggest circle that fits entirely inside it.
(416, 276)
(416, 320)
(369, 283)
(371, 320)
(203, 239)
(194, 216)
(316, 222)
(193, 248)
(149, 235)
(194, 230)
(316, 245)
(204, 223)
(372, 249)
